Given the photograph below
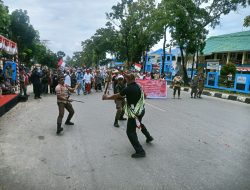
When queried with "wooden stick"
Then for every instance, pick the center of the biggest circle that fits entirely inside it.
(107, 83)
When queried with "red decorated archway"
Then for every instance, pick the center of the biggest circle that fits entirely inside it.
(10, 48)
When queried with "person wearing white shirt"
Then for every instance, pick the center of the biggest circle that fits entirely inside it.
(87, 79)
(67, 80)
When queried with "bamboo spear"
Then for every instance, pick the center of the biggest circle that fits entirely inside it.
(107, 83)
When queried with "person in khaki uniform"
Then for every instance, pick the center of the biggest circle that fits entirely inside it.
(194, 86)
(119, 102)
(200, 84)
(177, 85)
(63, 101)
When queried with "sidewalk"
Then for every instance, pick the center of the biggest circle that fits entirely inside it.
(234, 97)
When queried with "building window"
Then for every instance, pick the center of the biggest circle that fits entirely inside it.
(219, 56)
(232, 56)
(248, 56)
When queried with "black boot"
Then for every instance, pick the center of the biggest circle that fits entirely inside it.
(122, 118)
(116, 123)
(67, 122)
(59, 128)
(138, 155)
(149, 138)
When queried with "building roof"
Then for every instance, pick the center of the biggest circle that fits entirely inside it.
(234, 42)
(174, 51)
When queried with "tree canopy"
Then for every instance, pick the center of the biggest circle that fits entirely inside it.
(4, 19)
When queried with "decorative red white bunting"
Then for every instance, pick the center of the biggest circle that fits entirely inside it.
(8, 46)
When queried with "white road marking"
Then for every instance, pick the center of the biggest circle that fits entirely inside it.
(155, 107)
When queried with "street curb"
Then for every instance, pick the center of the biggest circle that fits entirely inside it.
(227, 96)
(232, 97)
(224, 96)
(220, 95)
(247, 100)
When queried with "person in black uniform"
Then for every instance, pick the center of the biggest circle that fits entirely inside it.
(36, 81)
(135, 110)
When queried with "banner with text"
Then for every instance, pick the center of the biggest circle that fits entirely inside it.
(153, 88)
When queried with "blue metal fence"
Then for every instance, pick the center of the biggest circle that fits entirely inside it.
(241, 82)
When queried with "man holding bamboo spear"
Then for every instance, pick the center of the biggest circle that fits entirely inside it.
(134, 108)
(63, 101)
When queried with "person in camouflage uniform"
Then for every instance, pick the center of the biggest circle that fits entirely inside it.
(119, 102)
(200, 85)
(194, 86)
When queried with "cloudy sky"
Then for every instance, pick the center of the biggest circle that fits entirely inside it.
(64, 24)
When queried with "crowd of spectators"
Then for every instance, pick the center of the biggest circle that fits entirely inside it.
(44, 80)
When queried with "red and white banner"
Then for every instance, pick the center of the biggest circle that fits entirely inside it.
(8, 46)
(153, 88)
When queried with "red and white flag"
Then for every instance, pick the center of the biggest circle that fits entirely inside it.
(60, 61)
(138, 66)
(1, 42)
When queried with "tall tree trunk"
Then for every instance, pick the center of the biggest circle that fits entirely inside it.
(144, 55)
(185, 78)
(164, 50)
(192, 71)
(197, 58)
(127, 52)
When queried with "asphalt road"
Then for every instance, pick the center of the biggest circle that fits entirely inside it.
(200, 144)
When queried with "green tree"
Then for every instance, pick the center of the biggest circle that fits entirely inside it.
(94, 49)
(68, 60)
(87, 55)
(22, 32)
(44, 56)
(4, 19)
(76, 59)
(136, 33)
(50, 59)
(227, 69)
(247, 21)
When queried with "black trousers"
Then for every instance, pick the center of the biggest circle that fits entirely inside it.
(178, 88)
(131, 133)
(37, 90)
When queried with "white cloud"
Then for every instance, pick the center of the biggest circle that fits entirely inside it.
(66, 23)
(231, 23)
